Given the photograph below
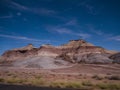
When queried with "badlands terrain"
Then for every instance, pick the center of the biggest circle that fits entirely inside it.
(77, 64)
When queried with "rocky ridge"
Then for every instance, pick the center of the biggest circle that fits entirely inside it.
(75, 51)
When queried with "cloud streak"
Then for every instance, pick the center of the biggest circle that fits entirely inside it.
(116, 38)
(100, 33)
(72, 22)
(39, 11)
(91, 9)
(64, 30)
(6, 16)
(22, 38)
(18, 6)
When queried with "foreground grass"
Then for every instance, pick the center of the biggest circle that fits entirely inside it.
(39, 81)
(65, 84)
(105, 86)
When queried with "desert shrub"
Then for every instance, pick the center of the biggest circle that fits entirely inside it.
(87, 83)
(114, 77)
(57, 84)
(66, 84)
(10, 74)
(38, 76)
(14, 76)
(73, 85)
(97, 77)
(1, 80)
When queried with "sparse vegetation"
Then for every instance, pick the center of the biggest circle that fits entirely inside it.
(113, 77)
(63, 84)
(97, 77)
(1, 80)
(15, 80)
(87, 83)
(36, 82)
(106, 86)
(10, 74)
(75, 77)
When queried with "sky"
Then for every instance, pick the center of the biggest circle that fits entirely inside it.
(56, 22)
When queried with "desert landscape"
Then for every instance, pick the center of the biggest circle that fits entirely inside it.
(77, 64)
(59, 44)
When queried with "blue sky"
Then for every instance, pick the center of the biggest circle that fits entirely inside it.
(58, 21)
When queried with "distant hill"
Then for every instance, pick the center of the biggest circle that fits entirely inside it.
(75, 51)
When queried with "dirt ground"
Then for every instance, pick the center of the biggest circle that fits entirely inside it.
(93, 73)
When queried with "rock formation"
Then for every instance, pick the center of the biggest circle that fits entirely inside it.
(116, 57)
(75, 51)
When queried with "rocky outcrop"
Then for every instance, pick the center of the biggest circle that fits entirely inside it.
(115, 57)
(76, 44)
(86, 54)
(75, 51)
(28, 47)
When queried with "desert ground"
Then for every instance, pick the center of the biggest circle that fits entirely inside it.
(88, 76)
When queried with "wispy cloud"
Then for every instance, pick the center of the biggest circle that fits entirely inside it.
(93, 29)
(96, 31)
(72, 22)
(83, 35)
(116, 38)
(6, 16)
(18, 6)
(22, 38)
(91, 9)
(40, 11)
(43, 11)
(102, 34)
(64, 30)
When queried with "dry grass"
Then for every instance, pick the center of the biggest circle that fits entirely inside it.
(97, 77)
(15, 80)
(65, 84)
(113, 77)
(87, 83)
(108, 86)
(39, 81)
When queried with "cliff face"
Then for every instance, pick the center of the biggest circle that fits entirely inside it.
(75, 51)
